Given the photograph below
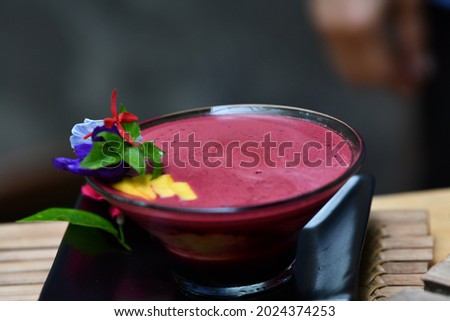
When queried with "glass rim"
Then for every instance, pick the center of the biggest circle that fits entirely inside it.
(324, 120)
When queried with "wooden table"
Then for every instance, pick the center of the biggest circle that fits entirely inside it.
(27, 250)
(436, 202)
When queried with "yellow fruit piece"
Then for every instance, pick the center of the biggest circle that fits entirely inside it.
(136, 186)
(184, 191)
(162, 186)
(141, 183)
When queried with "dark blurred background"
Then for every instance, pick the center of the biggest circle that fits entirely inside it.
(61, 59)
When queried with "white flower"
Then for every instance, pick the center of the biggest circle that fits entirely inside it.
(79, 131)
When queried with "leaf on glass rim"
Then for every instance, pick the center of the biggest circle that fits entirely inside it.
(134, 156)
(157, 169)
(131, 128)
(103, 154)
(154, 153)
(76, 217)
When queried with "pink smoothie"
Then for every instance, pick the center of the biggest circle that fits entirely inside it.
(244, 160)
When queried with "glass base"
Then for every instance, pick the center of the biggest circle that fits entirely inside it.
(190, 287)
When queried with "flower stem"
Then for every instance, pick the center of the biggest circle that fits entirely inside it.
(121, 238)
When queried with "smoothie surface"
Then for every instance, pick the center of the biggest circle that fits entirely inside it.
(245, 160)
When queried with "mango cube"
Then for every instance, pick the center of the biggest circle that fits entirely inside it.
(184, 191)
(162, 186)
(136, 186)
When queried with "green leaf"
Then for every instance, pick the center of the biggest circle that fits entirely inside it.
(157, 170)
(134, 156)
(76, 217)
(110, 137)
(152, 151)
(103, 154)
(122, 108)
(132, 129)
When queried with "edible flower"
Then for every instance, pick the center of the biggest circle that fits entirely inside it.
(118, 120)
(81, 132)
(112, 150)
(112, 173)
(108, 149)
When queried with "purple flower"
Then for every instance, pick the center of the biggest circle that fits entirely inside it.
(82, 130)
(111, 173)
(100, 129)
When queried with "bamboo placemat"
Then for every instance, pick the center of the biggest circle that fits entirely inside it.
(27, 252)
(397, 253)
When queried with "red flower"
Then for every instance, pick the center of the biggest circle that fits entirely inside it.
(118, 119)
(90, 192)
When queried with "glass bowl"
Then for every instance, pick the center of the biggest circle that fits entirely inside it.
(235, 251)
